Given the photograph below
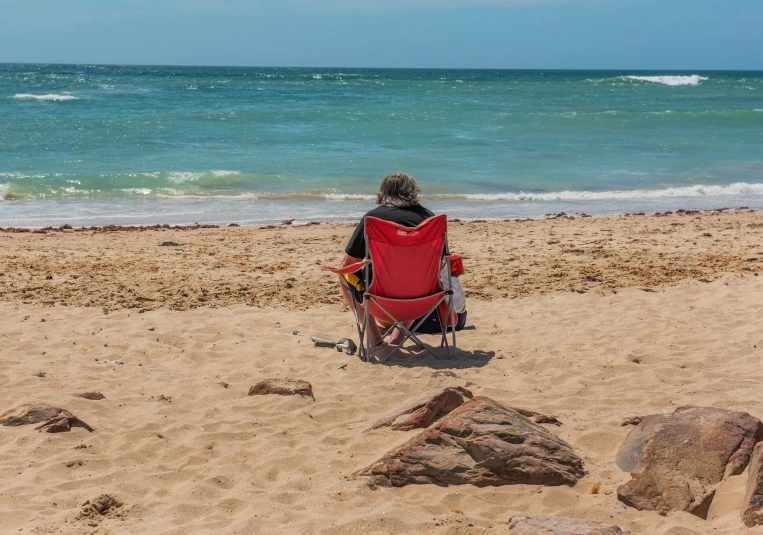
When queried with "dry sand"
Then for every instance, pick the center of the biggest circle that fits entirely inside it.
(561, 320)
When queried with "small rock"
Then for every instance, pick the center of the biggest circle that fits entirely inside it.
(103, 505)
(282, 387)
(169, 244)
(631, 420)
(538, 418)
(549, 525)
(54, 420)
(94, 396)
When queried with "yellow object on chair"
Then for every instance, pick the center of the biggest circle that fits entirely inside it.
(354, 281)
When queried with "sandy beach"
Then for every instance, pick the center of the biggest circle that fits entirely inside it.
(589, 319)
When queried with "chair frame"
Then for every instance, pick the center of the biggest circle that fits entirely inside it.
(365, 346)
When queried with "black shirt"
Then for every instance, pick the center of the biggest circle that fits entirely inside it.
(409, 216)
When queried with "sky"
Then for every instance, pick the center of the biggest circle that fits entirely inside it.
(511, 34)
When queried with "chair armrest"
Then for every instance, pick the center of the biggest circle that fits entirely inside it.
(352, 268)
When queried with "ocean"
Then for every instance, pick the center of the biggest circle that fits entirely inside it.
(94, 144)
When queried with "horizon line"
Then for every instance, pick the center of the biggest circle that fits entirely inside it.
(80, 64)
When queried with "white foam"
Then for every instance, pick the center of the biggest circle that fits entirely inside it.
(694, 79)
(136, 191)
(4, 189)
(18, 176)
(739, 188)
(178, 177)
(697, 191)
(50, 96)
(348, 197)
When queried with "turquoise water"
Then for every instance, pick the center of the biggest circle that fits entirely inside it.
(117, 144)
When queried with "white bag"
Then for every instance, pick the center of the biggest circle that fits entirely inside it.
(459, 299)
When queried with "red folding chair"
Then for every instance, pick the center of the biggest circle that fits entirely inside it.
(405, 284)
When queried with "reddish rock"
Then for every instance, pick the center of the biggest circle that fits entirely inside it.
(551, 525)
(422, 412)
(482, 443)
(676, 459)
(282, 387)
(752, 510)
(54, 420)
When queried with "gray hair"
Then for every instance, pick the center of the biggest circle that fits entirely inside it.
(398, 189)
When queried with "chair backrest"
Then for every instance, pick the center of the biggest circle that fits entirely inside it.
(406, 260)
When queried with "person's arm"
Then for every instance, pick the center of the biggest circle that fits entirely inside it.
(356, 247)
(348, 260)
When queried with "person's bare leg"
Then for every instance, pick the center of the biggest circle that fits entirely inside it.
(397, 335)
(374, 334)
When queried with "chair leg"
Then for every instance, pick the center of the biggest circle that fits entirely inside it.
(452, 313)
(361, 331)
(453, 345)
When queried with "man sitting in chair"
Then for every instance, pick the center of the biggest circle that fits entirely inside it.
(398, 201)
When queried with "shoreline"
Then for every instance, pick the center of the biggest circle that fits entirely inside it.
(291, 222)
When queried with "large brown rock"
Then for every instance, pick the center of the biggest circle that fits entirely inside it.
(482, 443)
(676, 459)
(752, 510)
(423, 411)
(282, 387)
(52, 419)
(552, 525)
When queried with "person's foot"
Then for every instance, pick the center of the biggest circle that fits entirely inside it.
(396, 337)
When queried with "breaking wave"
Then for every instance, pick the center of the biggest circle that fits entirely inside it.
(739, 188)
(50, 96)
(180, 177)
(694, 79)
(181, 189)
